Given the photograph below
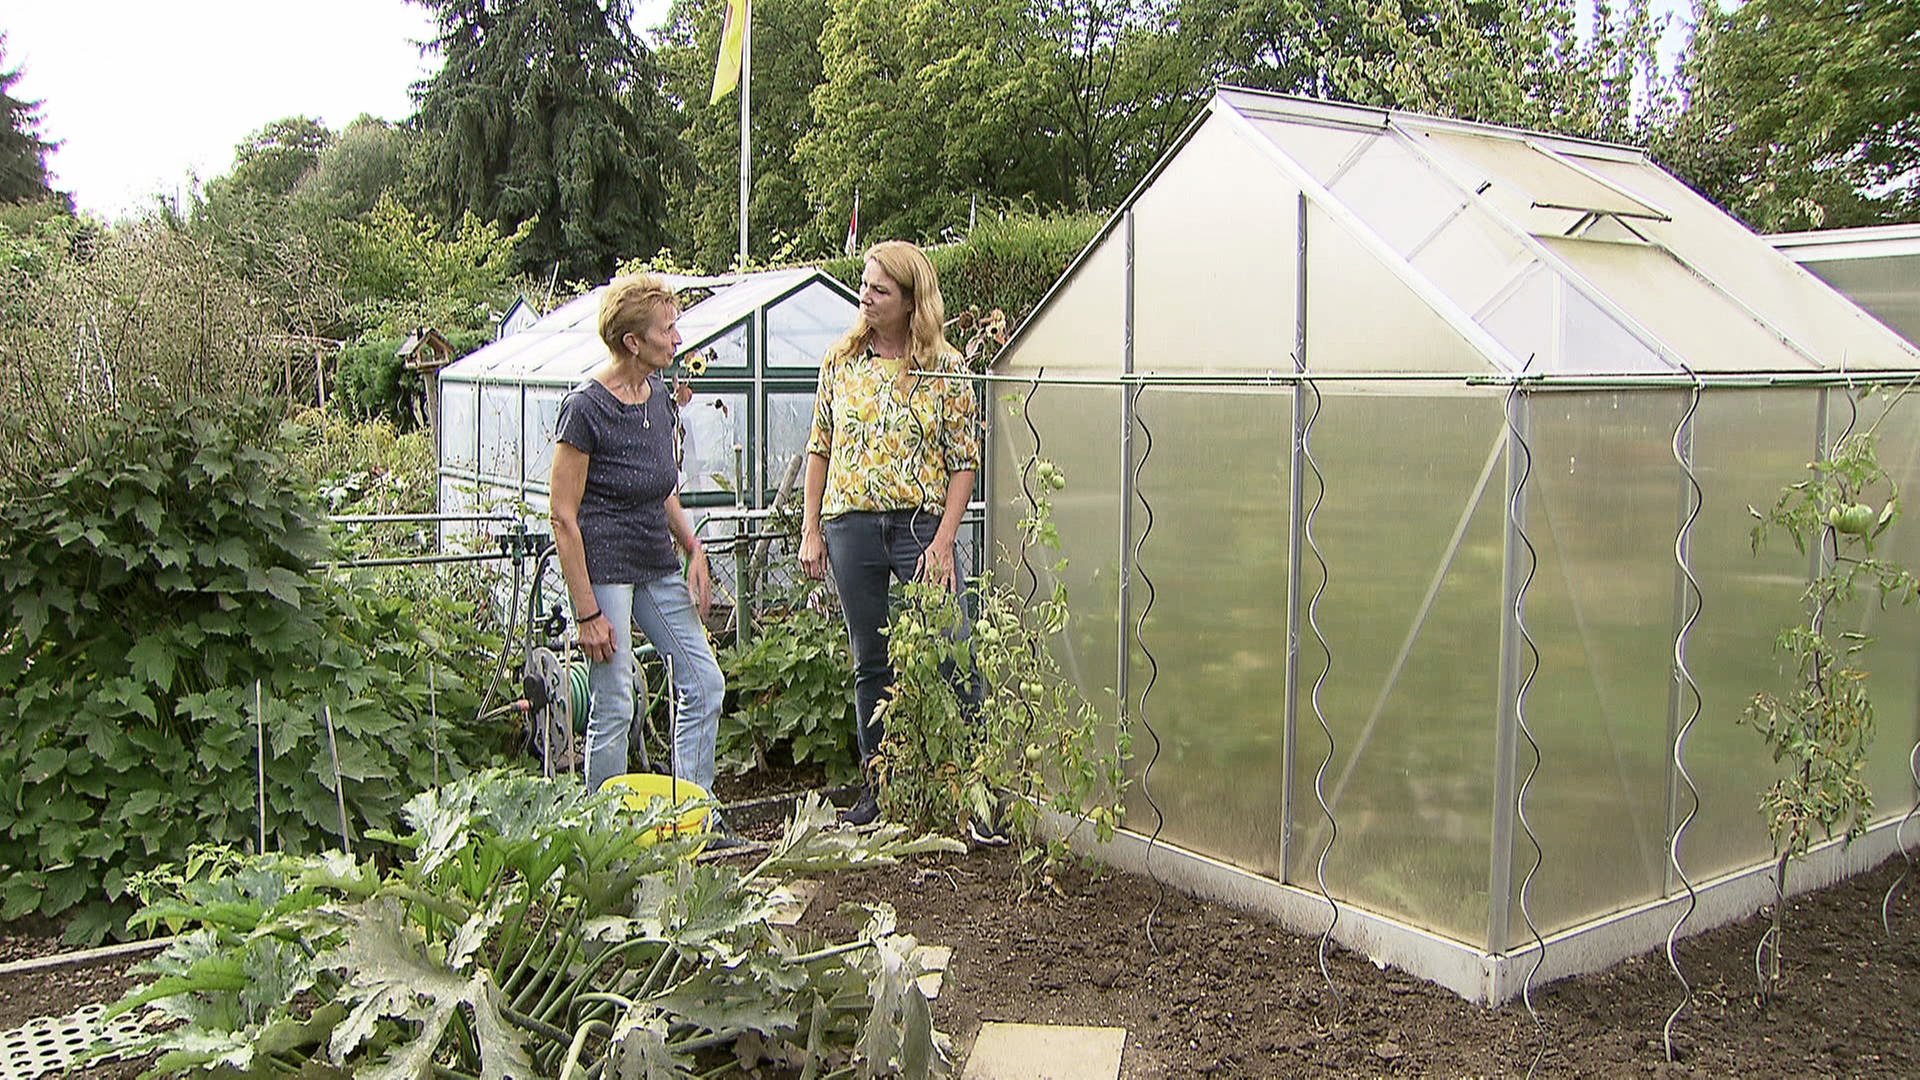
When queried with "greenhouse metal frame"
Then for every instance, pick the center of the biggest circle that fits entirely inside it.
(1402, 448)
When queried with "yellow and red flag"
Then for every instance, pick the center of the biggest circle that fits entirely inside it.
(726, 71)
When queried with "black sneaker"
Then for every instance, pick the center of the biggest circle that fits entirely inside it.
(864, 811)
(720, 835)
(987, 834)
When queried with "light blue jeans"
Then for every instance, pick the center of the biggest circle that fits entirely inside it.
(663, 610)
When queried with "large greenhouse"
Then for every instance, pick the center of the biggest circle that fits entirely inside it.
(1399, 447)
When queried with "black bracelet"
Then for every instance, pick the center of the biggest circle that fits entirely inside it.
(585, 619)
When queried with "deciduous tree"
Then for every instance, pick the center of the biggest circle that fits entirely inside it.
(786, 68)
(1804, 114)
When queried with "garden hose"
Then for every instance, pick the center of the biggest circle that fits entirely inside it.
(579, 698)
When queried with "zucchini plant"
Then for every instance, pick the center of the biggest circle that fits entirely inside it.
(525, 932)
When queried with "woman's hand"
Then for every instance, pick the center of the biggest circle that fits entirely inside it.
(813, 553)
(700, 580)
(936, 563)
(596, 639)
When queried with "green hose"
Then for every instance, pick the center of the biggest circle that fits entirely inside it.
(578, 697)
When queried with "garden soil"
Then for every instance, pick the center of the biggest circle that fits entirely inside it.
(1207, 991)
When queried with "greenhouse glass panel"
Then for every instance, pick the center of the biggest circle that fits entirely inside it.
(543, 425)
(1362, 317)
(1688, 315)
(1516, 167)
(1748, 446)
(801, 328)
(1411, 529)
(1602, 503)
(460, 425)
(789, 423)
(534, 351)
(1318, 149)
(1080, 432)
(1216, 558)
(1892, 657)
(1221, 215)
(1594, 341)
(1825, 323)
(1522, 319)
(1472, 260)
(711, 426)
(730, 348)
(1080, 329)
(1396, 194)
(500, 431)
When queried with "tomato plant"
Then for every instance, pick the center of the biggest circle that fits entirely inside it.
(982, 726)
(1822, 725)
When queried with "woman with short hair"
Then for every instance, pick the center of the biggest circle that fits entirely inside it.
(617, 521)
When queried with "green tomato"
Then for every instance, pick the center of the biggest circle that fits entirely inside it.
(1856, 520)
(1034, 753)
(1056, 481)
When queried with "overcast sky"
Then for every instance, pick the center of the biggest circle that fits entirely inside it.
(145, 95)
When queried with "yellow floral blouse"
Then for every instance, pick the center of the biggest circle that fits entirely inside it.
(885, 449)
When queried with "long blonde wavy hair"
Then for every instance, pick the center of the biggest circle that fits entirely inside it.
(910, 269)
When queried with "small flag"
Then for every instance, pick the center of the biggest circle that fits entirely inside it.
(853, 226)
(726, 71)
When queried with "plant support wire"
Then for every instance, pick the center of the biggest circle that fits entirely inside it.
(1153, 665)
(1900, 844)
(1517, 531)
(1320, 681)
(1691, 602)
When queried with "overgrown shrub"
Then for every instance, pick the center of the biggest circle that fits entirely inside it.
(148, 582)
(1007, 262)
(127, 322)
(373, 382)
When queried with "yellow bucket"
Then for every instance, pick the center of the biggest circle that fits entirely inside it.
(639, 790)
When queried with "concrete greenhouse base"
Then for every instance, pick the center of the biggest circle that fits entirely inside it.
(1482, 977)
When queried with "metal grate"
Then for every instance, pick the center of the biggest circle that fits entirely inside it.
(49, 1045)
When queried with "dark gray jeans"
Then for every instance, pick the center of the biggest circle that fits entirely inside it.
(866, 550)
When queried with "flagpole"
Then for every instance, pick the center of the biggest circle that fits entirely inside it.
(746, 127)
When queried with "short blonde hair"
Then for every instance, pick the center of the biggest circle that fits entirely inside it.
(630, 306)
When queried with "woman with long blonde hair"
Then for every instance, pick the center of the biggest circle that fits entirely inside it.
(890, 468)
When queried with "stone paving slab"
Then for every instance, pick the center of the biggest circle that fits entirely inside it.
(1045, 1052)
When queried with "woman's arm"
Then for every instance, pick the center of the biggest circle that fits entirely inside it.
(699, 572)
(813, 542)
(936, 563)
(567, 485)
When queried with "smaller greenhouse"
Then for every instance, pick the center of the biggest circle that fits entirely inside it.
(760, 338)
(1407, 527)
(1877, 267)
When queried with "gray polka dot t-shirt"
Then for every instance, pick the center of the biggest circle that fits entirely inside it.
(630, 473)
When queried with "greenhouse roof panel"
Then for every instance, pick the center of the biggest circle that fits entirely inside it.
(715, 315)
(561, 347)
(1540, 253)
